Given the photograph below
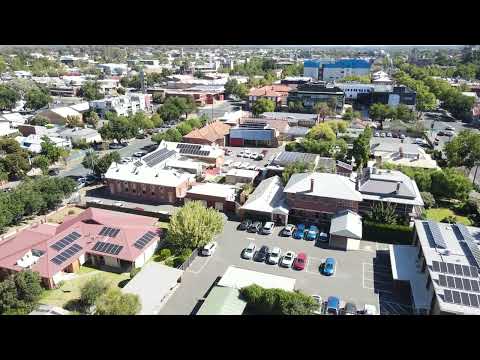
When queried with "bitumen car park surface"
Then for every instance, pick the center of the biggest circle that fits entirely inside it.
(359, 276)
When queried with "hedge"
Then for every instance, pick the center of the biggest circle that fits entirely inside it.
(387, 233)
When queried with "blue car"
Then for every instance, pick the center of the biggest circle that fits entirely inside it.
(312, 233)
(300, 232)
(329, 267)
(333, 305)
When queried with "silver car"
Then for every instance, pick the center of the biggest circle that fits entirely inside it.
(249, 251)
(274, 256)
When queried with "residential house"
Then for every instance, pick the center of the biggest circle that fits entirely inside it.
(401, 154)
(99, 237)
(6, 129)
(277, 93)
(76, 135)
(59, 115)
(281, 125)
(15, 119)
(212, 133)
(218, 196)
(33, 143)
(240, 176)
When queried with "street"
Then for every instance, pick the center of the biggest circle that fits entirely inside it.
(219, 109)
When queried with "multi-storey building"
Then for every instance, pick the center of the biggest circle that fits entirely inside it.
(312, 93)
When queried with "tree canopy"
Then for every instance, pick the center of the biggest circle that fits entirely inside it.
(464, 149)
(263, 105)
(114, 302)
(20, 292)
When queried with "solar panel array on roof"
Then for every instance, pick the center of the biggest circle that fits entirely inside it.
(461, 298)
(191, 149)
(469, 242)
(436, 235)
(138, 163)
(286, 157)
(107, 248)
(158, 156)
(67, 254)
(67, 240)
(108, 231)
(253, 125)
(455, 269)
(144, 240)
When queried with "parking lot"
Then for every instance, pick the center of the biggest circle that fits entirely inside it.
(359, 277)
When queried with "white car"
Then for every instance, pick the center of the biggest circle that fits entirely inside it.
(267, 228)
(97, 201)
(323, 237)
(253, 155)
(240, 154)
(244, 165)
(287, 259)
(252, 167)
(288, 230)
(451, 128)
(248, 252)
(209, 249)
(402, 136)
(449, 132)
(227, 163)
(382, 134)
(274, 256)
(139, 154)
(236, 164)
(319, 301)
(389, 134)
(118, 203)
(377, 134)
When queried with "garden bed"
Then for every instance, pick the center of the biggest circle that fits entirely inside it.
(438, 214)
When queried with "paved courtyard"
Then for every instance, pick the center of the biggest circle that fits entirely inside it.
(358, 277)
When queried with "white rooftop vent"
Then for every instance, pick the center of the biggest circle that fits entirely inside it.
(444, 251)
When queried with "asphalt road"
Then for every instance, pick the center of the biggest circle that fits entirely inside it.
(134, 145)
(219, 109)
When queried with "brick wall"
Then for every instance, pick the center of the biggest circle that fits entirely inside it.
(152, 193)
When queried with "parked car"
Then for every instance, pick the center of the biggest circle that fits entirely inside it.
(249, 251)
(329, 267)
(402, 136)
(245, 224)
(319, 301)
(377, 134)
(441, 133)
(312, 233)
(252, 167)
(228, 152)
(449, 133)
(227, 163)
(382, 134)
(260, 157)
(240, 154)
(244, 165)
(274, 256)
(323, 237)
(268, 227)
(54, 172)
(333, 305)
(300, 232)
(253, 155)
(389, 134)
(209, 249)
(300, 261)
(117, 145)
(350, 309)
(451, 128)
(368, 310)
(395, 135)
(255, 227)
(80, 185)
(236, 164)
(288, 230)
(119, 203)
(139, 154)
(90, 179)
(141, 136)
(287, 259)
(262, 254)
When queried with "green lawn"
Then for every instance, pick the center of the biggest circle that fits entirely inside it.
(70, 290)
(439, 214)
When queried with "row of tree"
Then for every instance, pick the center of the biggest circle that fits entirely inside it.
(176, 133)
(33, 197)
(380, 112)
(35, 98)
(175, 106)
(19, 293)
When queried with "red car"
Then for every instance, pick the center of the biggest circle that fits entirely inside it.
(300, 261)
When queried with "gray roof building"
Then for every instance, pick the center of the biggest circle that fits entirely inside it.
(268, 197)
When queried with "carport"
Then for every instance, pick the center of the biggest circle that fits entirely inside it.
(346, 231)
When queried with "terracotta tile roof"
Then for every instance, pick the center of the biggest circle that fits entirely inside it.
(271, 90)
(88, 224)
(211, 132)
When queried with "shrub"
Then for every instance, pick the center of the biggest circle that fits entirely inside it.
(165, 254)
(71, 212)
(179, 260)
(428, 199)
(92, 290)
(134, 272)
(450, 219)
(387, 233)
(169, 262)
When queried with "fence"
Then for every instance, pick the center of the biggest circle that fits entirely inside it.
(189, 261)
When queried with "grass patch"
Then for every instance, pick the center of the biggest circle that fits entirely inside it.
(59, 216)
(438, 214)
(162, 224)
(69, 292)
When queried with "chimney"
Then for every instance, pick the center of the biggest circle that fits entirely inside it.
(312, 182)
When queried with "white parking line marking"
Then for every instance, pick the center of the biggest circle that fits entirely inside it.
(202, 267)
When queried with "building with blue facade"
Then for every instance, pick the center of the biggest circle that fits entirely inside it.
(345, 67)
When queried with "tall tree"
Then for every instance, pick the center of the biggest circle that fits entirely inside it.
(263, 105)
(464, 149)
(8, 97)
(37, 99)
(114, 302)
(322, 110)
(51, 151)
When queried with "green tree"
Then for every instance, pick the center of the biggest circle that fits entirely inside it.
(184, 128)
(361, 148)
(383, 213)
(428, 199)
(73, 121)
(157, 98)
(41, 162)
(450, 184)
(321, 131)
(16, 164)
(173, 134)
(98, 165)
(39, 120)
(37, 99)
(404, 113)
(92, 290)
(8, 97)
(194, 225)
(379, 112)
(113, 302)
(19, 293)
(172, 108)
(91, 118)
(90, 90)
(263, 105)
(51, 151)
(296, 106)
(156, 120)
(322, 110)
(464, 149)
(118, 128)
(294, 168)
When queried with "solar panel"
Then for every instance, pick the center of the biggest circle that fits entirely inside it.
(107, 248)
(473, 300)
(458, 283)
(466, 284)
(456, 297)
(467, 237)
(450, 282)
(448, 296)
(466, 270)
(108, 231)
(475, 286)
(437, 235)
(474, 271)
(458, 270)
(65, 255)
(443, 268)
(138, 163)
(465, 299)
(144, 240)
(436, 266)
(442, 280)
(65, 241)
(451, 268)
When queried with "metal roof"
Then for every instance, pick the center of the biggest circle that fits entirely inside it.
(223, 301)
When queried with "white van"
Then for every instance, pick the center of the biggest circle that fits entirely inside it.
(209, 249)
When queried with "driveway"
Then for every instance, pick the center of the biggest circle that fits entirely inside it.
(347, 283)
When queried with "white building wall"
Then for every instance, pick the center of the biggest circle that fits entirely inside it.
(110, 261)
(353, 244)
(147, 254)
(82, 259)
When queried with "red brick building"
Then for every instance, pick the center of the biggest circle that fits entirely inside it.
(213, 133)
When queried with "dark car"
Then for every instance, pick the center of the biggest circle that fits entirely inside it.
(245, 224)
(350, 309)
(54, 172)
(395, 135)
(440, 133)
(255, 227)
(262, 254)
(141, 136)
